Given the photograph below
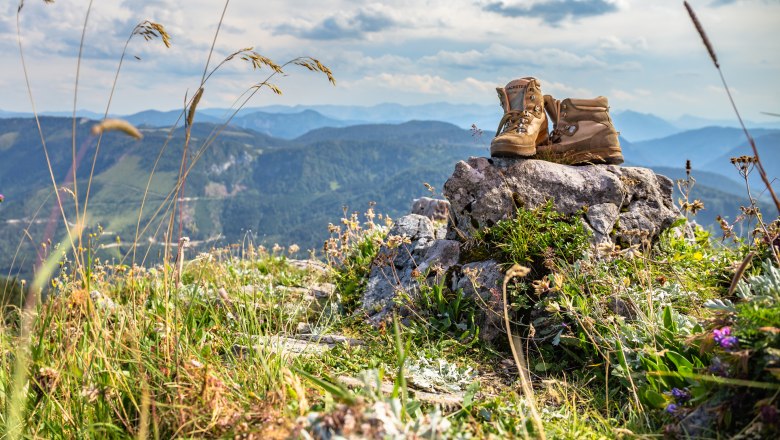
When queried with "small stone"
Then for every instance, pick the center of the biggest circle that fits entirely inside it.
(434, 209)
(310, 265)
(303, 328)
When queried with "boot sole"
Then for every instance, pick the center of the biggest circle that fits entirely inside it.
(509, 150)
(609, 156)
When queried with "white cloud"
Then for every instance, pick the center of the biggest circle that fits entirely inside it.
(615, 44)
(414, 51)
(622, 95)
(497, 55)
(432, 85)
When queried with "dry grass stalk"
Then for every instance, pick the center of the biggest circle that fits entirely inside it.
(703, 34)
(522, 365)
(740, 271)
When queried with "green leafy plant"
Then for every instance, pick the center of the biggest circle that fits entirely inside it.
(444, 311)
(534, 238)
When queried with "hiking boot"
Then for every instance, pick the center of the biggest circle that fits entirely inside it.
(524, 125)
(582, 132)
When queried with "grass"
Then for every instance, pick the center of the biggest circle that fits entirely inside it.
(136, 355)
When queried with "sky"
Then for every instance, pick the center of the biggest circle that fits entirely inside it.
(644, 55)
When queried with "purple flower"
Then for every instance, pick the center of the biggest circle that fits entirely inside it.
(681, 396)
(2, 197)
(719, 368)
(723, 338)
(671, 408)
(769, 415)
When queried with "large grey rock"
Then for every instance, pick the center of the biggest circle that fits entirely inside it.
(396, 270)
(483, 281)
(620, 200)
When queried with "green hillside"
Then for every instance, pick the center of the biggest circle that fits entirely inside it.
(244, 183)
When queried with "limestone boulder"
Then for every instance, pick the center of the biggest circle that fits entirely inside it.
(621, 204)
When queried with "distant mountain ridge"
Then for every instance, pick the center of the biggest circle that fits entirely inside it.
(289, 122)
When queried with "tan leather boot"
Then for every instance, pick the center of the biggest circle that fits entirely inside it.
(524, 125)
(582, 132)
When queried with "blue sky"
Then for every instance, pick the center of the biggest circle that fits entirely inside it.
(644, 55)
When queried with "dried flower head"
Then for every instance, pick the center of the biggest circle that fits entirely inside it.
(151, 30)
(476, 132)
(116, 125)
(541, 286)
(728, 230)
(692, 207)
(395, 241)
(744, 164)
(749, 211)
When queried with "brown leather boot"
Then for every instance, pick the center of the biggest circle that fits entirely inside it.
(524, 125)
(582, 132)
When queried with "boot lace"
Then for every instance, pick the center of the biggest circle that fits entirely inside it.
(514, 121)
(555, 134)
(555, 112)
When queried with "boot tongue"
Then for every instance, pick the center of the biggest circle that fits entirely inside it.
(515, 92)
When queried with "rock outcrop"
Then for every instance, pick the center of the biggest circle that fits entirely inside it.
(413, 253)
(619, 205)
(623, 204)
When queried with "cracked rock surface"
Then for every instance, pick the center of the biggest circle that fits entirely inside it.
(622, 203)
(398, 269)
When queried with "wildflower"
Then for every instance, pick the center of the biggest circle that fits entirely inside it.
(541, 286)
(692, 207)
(769, 415)
(671, 408)
(681, 396)
(724, 339)
(293, 249)
(728, 230)
(2, 197)
(718, 367)
(395, 241)
(749, 211)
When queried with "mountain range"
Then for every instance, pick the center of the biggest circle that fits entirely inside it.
(289, 122)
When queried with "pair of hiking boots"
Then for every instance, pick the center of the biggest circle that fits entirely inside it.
(582, 129)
